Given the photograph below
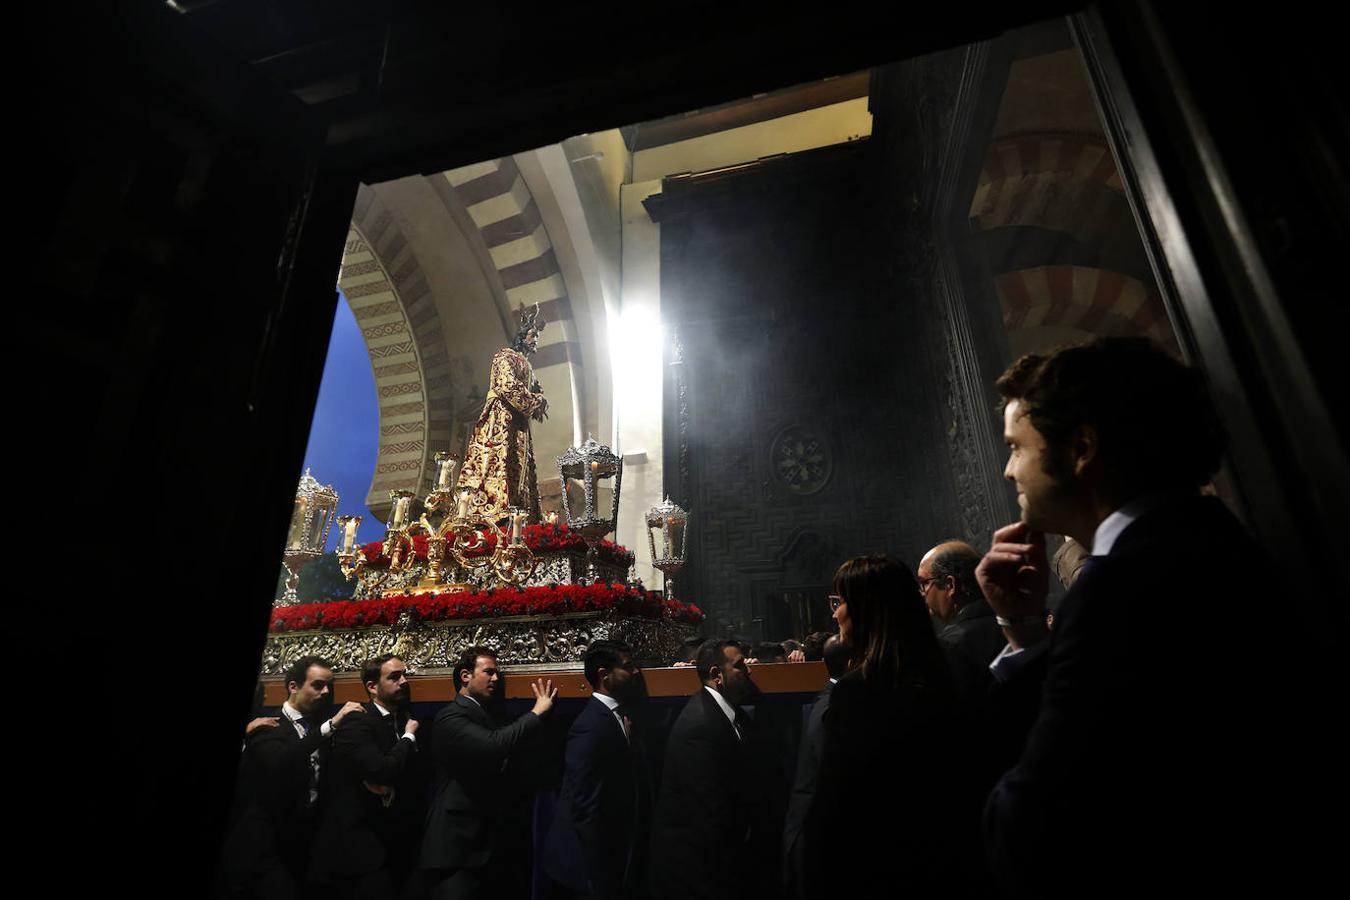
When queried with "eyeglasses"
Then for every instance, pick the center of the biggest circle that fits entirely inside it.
(836, 601)
(925, 582)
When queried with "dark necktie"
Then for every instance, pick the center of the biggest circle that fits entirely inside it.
(306, 726)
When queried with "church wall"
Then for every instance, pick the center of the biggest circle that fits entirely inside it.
(885, 416)
(801, 446)
(636, 339)
(833, 124)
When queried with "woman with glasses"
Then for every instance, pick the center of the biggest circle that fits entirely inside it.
(890, 750)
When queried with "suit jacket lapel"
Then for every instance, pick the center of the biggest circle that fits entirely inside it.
(387, 726)
(714, 710)
(476, 712)
(610, 717)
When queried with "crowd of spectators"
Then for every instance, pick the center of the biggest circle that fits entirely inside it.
(966, 743)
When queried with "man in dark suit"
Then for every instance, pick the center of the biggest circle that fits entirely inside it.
(598, 824)
(1172, 743)
(836, 655)
(266, 849)
(970, 636)
(470, 816)
(366, 831)
(699, 835)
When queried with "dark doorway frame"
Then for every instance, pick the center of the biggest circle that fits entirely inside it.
(149, 762)
(1222, 300)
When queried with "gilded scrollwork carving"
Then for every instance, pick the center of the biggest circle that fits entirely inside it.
(550, 568)
(532, 641)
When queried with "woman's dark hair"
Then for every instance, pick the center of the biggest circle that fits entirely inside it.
(1157, 428)
(890, 635)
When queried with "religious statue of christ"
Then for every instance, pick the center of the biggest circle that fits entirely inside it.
(499, 461)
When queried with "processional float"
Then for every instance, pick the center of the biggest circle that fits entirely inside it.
(474, 561)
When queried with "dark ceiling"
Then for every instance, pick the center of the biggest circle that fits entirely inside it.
(401, 87)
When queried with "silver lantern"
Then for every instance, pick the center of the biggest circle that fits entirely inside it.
(667, 537)
(311, 521)
(591, 476)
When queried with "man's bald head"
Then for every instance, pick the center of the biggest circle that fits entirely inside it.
(947, 578)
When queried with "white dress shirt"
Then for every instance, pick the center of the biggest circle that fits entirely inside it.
(726, 708)
(613, 706)
(1114, 525)
(1104, 538)
(294, 716)
(385, 712)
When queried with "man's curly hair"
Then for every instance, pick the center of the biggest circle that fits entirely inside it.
(1157, 428)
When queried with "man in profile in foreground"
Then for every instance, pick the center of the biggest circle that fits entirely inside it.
(1173, 742)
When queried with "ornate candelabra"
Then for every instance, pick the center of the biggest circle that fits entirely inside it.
(512, 562)
(586, 473)
(455, 537)
(310, 523)
(347, 552)
(671, 523)
(437, 521)
(398, 545)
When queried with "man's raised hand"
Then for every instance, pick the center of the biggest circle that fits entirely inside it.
(1015, 574)
(544, 692)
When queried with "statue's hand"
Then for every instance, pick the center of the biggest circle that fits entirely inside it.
(541, 411)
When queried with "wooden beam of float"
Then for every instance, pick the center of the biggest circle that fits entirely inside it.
(772, 678)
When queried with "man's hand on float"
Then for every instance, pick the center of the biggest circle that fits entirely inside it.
(544, 692)
(351, 706)
(796, 656)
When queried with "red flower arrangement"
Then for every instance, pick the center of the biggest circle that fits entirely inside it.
(549, 600)
(539, 538)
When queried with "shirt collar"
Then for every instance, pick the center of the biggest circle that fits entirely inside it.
(383, 711)
(722, 702)
(470, 698)
(1114, 525)
(291, 712)
(606, 699)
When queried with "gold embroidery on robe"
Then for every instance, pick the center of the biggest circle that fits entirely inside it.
(499, 462)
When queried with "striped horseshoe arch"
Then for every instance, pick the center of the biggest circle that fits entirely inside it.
(391, 300)
(507, 218)
(1093, 301)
